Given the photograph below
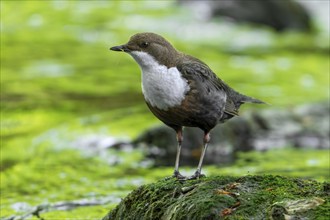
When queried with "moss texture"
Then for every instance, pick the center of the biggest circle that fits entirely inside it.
(225, 197)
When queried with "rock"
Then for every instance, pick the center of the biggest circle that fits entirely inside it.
(248, 197)
(305, 126)
(291, 209)
(280, 15)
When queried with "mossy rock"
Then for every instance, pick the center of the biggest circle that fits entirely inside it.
(225, 197)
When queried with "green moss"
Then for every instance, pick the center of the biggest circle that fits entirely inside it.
(218, 197)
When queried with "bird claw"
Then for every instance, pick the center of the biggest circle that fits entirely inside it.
(196, 175)
(178, 175)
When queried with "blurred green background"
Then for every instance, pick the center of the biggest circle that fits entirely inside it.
(60, 82)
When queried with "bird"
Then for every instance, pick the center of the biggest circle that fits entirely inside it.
(182, 91)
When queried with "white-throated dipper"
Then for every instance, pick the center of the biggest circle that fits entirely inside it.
(181, 90)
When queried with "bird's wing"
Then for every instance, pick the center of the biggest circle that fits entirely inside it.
(206, 81)
(230, 108)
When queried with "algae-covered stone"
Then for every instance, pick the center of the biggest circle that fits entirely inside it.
(294, 209)
(248, 197)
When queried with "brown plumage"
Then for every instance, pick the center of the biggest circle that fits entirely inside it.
(201, 98)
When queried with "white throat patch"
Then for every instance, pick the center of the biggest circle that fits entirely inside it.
(162, 87)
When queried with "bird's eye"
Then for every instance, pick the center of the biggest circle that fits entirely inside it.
(144, 44)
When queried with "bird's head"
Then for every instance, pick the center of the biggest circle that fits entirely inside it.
(146, 48)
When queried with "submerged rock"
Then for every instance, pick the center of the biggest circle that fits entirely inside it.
(248, 197)
(305, 126)
(280, 15)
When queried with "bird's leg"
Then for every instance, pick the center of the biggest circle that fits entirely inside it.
(179, 137)
(198, 172)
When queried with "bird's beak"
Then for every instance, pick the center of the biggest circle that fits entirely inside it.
(122, 48)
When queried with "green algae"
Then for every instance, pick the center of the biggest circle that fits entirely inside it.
(77, 175)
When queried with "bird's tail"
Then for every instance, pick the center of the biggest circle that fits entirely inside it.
(239, 98)
(248, 99)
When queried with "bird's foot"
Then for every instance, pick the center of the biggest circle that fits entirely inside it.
(196, 175)
(178, 175)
